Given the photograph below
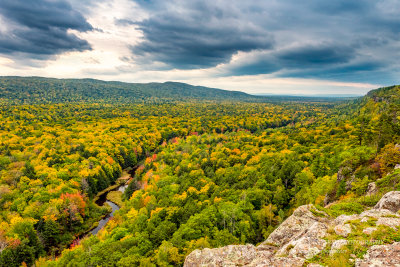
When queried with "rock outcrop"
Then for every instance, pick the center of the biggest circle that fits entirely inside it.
(343, 229)
(300, 221)
(306, 244)
(302, 236)
(381, 255)
(244, 255)
(390, 201)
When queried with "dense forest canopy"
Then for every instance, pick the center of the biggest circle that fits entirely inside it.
(209, 173)
(33, 90)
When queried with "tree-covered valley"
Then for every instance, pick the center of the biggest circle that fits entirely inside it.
(209, 167)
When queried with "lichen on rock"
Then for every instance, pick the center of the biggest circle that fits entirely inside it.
(343, 229)
(381, 255)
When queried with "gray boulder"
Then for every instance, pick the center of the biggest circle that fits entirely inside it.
(301, 220)
(390, 201)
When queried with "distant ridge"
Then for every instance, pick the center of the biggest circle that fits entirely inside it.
(38, 90)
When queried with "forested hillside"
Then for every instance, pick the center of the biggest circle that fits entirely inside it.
(208, 174)
(34, 90)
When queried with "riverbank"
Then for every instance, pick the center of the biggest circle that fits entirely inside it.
(100, 198)
(115, 197)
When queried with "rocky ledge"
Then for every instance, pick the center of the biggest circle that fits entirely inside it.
(310, 232)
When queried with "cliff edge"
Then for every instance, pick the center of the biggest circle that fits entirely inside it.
(312, 237)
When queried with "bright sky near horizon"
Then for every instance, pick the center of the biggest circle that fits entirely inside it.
(280, 47)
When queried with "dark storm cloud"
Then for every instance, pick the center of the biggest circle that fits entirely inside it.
(40, 28)
(303, 57)
(266, 65)
(203, 35)
(345, 72)
(315, 55)
(317, 39)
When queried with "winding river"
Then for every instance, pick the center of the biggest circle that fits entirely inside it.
(101, 201)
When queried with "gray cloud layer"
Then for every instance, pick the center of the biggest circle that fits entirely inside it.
(39, 28)
(337, 39)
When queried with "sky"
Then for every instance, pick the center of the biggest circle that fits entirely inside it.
(271, 47)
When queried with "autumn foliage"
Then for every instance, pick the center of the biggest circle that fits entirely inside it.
(210, 173)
